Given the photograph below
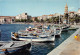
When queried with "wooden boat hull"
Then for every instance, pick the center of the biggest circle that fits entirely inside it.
(40, 40)
(7, 51)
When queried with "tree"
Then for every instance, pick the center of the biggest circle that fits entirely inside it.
(56, 19)
(17, 20)
(42, 20)
(29, 20)
(72, 20)
(77, 18)
(37, 20)
(50, 20)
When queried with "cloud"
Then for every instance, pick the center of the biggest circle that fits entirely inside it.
(71, 8)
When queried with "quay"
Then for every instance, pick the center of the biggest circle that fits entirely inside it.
(69, 47)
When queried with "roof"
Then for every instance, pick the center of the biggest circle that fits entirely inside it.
(50, 15)
(7, 16)
(72, 12)
(44, 15)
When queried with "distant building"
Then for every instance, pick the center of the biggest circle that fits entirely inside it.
(50, 16)
(23, 16)
(7, 19)
(33, 18)
(40, 17)
(56, 14)
(44, 17)
(72, 14)
(79, 12)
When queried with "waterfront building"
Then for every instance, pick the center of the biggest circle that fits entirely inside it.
(7, 19)
(40, 17)
(33, 18)
(23, 16)
(72, 14)
(56, 15)
(44, 17)
(50, 16)
(78, 12)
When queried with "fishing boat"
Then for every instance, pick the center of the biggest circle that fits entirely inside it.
(57, 32)
(72, 28)
(10, 47)
(33, 37)
(65, 28)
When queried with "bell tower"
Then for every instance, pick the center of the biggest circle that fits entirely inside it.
(66, 9)
(66, 13)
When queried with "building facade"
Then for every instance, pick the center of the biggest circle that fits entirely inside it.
(7, 19)
(23, 16)
(79, 11)
(44, 17)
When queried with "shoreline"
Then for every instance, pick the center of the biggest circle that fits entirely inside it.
(35, 23)
(70, 46)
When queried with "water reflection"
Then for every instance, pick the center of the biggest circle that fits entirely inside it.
(22, 52)
(40, 48)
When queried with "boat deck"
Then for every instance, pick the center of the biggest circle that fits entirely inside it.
(11, 44)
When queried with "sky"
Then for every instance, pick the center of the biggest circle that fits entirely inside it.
(36, 7)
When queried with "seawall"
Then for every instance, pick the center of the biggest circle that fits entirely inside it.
(68, 46)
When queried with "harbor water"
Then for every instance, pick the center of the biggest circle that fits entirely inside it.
(37, 48)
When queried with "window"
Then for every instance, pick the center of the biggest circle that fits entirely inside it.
(25, 13)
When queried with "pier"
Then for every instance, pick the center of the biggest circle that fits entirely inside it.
(69, 47)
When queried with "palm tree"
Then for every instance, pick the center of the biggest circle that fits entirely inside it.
(77, 18)
(56, 20)
(72, 20)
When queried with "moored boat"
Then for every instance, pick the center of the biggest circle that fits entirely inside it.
(65, 28)
(72, 28)
(10, 47)
(33, 38)
(58, 33)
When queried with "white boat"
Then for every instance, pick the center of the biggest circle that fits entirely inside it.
(58, 33)
(34, 38)
(10, 47)
(72, 28)
(65, 28)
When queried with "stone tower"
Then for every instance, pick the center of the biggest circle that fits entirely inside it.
(66, 9)
(66, 14)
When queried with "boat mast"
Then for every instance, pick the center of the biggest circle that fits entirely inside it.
(59, 20)
(68, 19)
